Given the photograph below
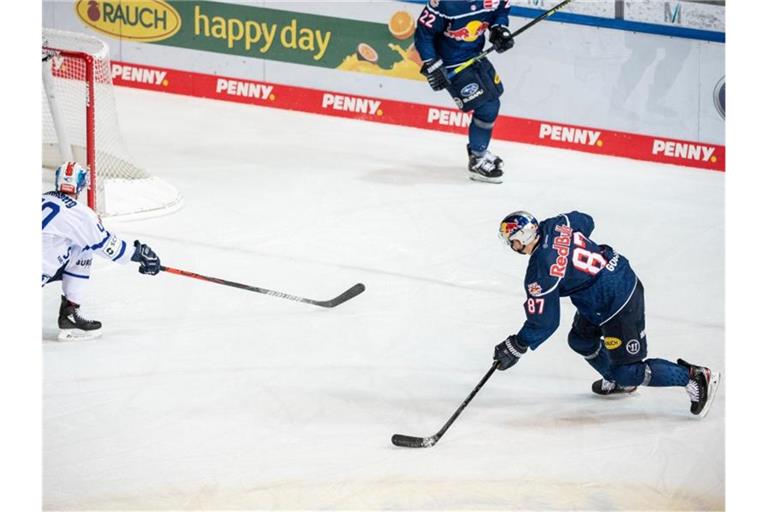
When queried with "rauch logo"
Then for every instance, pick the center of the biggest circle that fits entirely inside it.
(138, 20)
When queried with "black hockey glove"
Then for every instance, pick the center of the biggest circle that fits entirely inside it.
(509, 352)
(149, 263)
(501, 38)
(436, 74)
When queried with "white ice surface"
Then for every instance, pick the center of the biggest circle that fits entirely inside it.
(201, 396)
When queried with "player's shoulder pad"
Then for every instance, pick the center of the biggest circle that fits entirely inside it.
(65, 200)
(84, 211)
(436, 7)
(581, 221)
(566, 217)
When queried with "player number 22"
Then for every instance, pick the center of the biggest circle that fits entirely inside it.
(427, 18)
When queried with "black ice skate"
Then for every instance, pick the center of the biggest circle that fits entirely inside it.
(607, 387)
(72, 326)
(701, 388)
(486, 167)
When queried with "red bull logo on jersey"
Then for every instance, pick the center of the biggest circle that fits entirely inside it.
(534, 289)
(469, 32)
(561, 244)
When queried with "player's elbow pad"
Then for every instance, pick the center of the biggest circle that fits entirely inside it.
(113, 248)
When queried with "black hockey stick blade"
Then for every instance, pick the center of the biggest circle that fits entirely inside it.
(332, 303)
(426, 442)
(414, 442)
(344, 297)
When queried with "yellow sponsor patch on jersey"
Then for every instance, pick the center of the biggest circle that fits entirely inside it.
(612, 343)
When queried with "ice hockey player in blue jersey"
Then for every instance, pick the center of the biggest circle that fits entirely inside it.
(609, 326)
(72, 234)
(450, 32)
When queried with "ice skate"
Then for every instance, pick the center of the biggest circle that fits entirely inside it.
(72, 326)
(606, 387)
(701, 388)
(485, 167)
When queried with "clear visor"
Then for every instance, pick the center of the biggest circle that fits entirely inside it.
(524, 235)
(509, 235)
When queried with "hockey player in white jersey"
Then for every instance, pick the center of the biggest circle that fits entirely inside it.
(72, 234)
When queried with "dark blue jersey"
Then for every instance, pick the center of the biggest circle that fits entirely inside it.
(454, 30)
(567, 263)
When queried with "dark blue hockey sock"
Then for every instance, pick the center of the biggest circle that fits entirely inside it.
(666, 373)
(481, 127)
(602, 363)
(632, 374)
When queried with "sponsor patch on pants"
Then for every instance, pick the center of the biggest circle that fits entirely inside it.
(612, 343)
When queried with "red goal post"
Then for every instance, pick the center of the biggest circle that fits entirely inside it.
(80, 122)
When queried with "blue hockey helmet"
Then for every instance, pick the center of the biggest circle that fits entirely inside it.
(520, 226)
(71, 178)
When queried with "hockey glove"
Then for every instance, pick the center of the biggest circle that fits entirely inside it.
(501, 38)
(436, 74)
(149, 263)
(509, 352)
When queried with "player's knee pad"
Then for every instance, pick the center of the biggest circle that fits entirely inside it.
(486, 113)
(584, 337)
(633, 374)
(587, 347)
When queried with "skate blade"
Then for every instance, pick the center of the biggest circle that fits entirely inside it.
(714, 383)
(478, 177)
(78, 334)
(616, 395)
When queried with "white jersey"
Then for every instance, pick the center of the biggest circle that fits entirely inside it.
(71, 232)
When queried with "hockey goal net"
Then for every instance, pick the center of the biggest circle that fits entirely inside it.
(80, 123)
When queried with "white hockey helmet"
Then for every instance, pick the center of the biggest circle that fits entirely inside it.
(71, 178)
(520, 226)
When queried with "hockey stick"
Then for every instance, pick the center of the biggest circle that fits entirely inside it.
(426, 442)
(546, 14)
(332, 303)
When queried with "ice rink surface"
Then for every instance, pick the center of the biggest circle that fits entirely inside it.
(200, 396)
